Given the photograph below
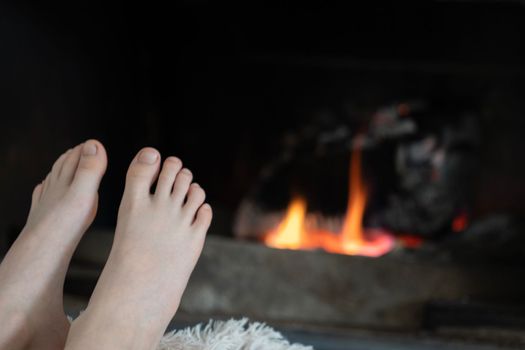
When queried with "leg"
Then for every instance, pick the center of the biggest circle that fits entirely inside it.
(158, 240)
(33, 271)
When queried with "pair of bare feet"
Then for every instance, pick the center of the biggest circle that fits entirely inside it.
(158, 240)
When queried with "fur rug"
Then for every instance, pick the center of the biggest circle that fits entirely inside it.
(228, 335)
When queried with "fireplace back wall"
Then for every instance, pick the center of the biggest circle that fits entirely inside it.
(222, 90)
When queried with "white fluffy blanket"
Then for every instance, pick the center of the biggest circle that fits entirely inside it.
(228, 335)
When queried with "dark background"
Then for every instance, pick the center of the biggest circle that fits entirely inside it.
(219, 84)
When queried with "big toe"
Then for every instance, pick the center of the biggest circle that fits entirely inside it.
(91, 167)
(142, 172)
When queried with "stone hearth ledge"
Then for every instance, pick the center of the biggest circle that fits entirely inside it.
(245, 279)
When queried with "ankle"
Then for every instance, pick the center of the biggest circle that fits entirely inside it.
(99, 330)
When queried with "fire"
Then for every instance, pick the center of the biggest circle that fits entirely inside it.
(352, 233)
(291, 234)
(353, 239)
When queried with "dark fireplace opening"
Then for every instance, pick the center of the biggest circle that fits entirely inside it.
(423, 171)
(410, 172)
(394, 132)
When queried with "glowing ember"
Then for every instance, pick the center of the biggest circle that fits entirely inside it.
(410, 241)
(291, 233)
(460, 223)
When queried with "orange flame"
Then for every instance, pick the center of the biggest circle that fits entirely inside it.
(352, 233)
(291, 233)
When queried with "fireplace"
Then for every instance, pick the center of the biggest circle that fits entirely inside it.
(418, 160)
(441, 263)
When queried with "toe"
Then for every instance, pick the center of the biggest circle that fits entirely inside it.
(35, 198)
(196, 196)
(167, 176)
(203, 218)
(46, 183)
(91, 166)
(181, 185)
(70, 165)
(57, 166)
(142, 172)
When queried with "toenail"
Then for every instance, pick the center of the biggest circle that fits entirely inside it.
(186, 171)
(148, 157)
(173, 160)
(206, 206)
(89, 149)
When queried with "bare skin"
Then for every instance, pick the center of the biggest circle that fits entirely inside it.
(158, 239)
(33, 271)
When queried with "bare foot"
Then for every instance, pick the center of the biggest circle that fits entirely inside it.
(158, 240)
(33, 271)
